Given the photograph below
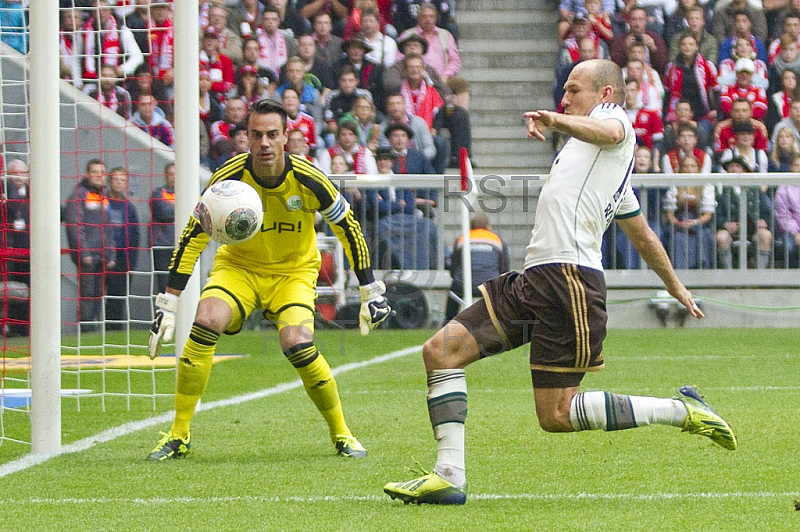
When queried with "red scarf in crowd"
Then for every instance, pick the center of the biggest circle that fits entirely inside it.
(273, 50)
(110, 47)
(358, 156)
(162, 48)
(423, 103)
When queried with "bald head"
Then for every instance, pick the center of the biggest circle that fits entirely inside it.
(604, 73)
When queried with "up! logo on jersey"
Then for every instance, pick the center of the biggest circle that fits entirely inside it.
(294, 203)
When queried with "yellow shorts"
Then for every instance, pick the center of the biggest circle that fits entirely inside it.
(287, 299)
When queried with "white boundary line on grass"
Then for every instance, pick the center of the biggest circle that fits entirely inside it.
(31, 460)
(582, 496)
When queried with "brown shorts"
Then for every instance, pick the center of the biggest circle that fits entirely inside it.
(559, 309)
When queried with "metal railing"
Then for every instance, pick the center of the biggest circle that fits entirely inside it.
(408, 244)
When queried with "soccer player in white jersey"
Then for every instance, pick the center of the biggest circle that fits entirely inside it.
(558, 303)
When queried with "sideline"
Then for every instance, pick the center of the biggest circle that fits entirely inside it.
(125, 429)
(579, 496)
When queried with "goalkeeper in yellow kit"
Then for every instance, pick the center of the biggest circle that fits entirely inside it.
(275, 271)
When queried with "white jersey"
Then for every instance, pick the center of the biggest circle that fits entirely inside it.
(587, 188)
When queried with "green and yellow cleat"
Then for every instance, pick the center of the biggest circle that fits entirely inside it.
(702, 419)
(349, 446)
(427, 489)
(169, 447)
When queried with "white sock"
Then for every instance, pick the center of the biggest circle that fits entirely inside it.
(447, 405)
(608, 411)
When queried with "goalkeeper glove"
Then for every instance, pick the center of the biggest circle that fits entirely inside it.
(163, 326)
(374, 308)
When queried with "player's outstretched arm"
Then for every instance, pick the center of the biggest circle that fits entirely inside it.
(649, 247)
(607, 132)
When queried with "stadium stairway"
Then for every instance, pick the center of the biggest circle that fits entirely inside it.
(508, 50)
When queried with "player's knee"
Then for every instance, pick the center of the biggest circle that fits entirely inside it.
(213, 314)
(553, 422)
(432, 352)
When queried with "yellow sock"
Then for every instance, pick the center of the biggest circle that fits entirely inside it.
(320, 385)
(194, 369)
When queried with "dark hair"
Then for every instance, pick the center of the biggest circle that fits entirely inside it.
(347, 69)
(265, 106)
(631, 80)
(370, 11)
(687, 127)
(93, 162)
(742, 12)
(290, 89)
(168, 166)
(791, 14)
(269, 8)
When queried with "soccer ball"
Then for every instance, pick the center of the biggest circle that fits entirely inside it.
(230, 212)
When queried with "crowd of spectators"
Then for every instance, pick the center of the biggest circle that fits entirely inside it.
(711, 87)
(347, 71)
(330, 53)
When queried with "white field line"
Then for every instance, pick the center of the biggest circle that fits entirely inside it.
(580, 496)
(31, 460)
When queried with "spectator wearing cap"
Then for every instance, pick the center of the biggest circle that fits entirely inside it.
(727, 67)
(728, 21)
(399, 237)
(384, 48)
(411, 161)
(368, 74)
(638, 32)
(230, 42)
(758, 216)
(407, 160)
(695, 25)
(579, 30)
(393, 76)
(744, 89)
(568, 8)
(694, 78)
(218, 65)
(741, 111)
(442, 54)
(396, 113)
(743, 29)
(277, 45)
(686, 146)
(757, 160)
(249, 86)
(357, 156)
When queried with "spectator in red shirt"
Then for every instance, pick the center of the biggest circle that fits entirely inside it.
(744, 89)
(218, 64)
(646, 122)
(741, 111)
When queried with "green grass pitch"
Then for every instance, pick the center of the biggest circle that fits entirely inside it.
(267, 463)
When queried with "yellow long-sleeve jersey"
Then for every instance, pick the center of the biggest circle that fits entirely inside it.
(287, 240)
